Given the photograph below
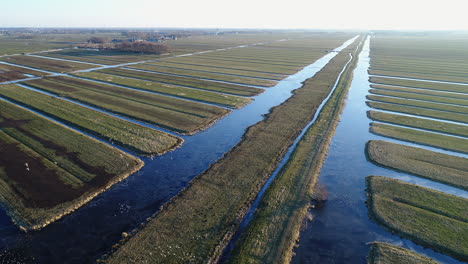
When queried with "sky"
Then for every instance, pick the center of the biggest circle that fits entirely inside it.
(292, 14)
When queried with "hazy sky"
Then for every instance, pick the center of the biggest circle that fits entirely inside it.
(345, 14)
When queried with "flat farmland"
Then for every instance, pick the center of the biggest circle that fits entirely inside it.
(52, 65)
(168, 89)
(206, 75)
(48, 170)
(422, 57)
(385, 253)
(429, 86)
(420, 91)
(172, 113)
(411, 210)
(143, 140)
(101, 56)
(226, 88)
(11, 73)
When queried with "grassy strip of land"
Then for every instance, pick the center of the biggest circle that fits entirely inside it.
(420, 111)
(274, 229)
(448, 87)
(384, 253)
(48, 170)
(186, 81)
(205, 75)
(179, 115)
(215, 69)
(416, 103)
(448, 169)
(182, 92)
(195, 226)
(423, 76)
(436, 99)
(431, 218)
(11, 72)
(138, 138)
(422, 91)
(432, 125)
(47, 64)
(421, 137)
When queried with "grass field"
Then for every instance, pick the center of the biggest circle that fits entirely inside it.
(428, 217)
(185, 81)
(46, 64)
(462, 118)
(426, 124)
(182, 92)
(422, 104)
(206, 75)
(196, 224)
(421, 137)
(48, 170)
(424, 163)
(209, 67)
(440, 57)
(274, 229)
(11, 73)
(384, 253)
(430, 98)
(134, 137)
(172, 113)
(421, 84)
(421, 91)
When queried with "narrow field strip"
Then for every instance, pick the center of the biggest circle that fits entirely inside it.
(417, 111)
(421, 104)
(426, 124)
(167, 89)
(445, 94)
(47, 64)
(428, 76)
(182, 81)
(444, 168)
(421, 137)
(421, 84)
(49, 170)
(427, 217)
(204, 75)
(128, 135)
(384, 253)
(11, 73)
(426, 98)
(171, 113)
(224, 70)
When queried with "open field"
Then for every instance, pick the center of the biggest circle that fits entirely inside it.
(459, 96)
(274, 229)
(428, 217)
(420, 57)
(267, 67)
(104, 57)
(420, 111)
(205, 75)
(172, 113)
(48, 170)
(447, 87)
(46, 64)
(417, 103)
(421, 137)
(196, 224)
(426, 124)
(384, 253)
(424, 163)
(436, 99)
(209, 67)
(182, 92)
(11, 73)
(183, 81)
(134, 137)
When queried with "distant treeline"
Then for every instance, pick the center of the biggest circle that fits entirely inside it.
(142, 46)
